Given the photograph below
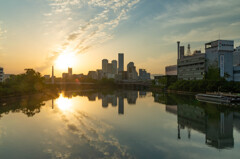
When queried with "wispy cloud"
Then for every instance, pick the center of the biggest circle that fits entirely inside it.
(88, 24)
(2, 32)
(200, 20)
(89, 132)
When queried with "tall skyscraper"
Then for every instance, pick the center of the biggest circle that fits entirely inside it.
(120, 62)
(114, 65)
(104, 65)
(1, 74)
(69, 71)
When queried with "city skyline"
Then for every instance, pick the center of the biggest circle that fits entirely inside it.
(78, 34)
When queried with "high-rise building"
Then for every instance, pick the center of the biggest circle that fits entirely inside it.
(219, 54)
(114, 65)
(120, 62)
(69, 72)
(110, 68)
(131, 70)
(104, 65)
(236, 56)
(1, 74)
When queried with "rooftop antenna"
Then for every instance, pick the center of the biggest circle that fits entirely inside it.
(189, 50)
(219, 36)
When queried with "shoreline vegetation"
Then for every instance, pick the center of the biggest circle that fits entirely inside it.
(31, 82)
(28, 83)
(212, 82)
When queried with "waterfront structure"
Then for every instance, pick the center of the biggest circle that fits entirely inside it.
(236, 56)
(144, 75)
(219, 54)
(120, 62)
(171, 70)
(131, 71)
(104, 65)
(1, 74)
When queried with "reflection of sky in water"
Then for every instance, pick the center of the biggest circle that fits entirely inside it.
(95, 126)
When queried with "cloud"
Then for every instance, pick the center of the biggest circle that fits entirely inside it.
(2, 32)
(91, 22)
(82, 130)
(199, 21)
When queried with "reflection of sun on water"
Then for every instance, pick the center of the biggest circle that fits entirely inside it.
(64, 103)
(65, 60)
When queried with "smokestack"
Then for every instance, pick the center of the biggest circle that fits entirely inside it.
(178, 49)
(52, 74)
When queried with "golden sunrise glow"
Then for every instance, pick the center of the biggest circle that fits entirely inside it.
(63, 103)
(65, 60)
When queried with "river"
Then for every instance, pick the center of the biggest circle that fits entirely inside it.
(117, 124)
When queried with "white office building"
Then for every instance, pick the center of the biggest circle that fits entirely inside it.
(219, 54)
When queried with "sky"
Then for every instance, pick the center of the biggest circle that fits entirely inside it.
(80, 33)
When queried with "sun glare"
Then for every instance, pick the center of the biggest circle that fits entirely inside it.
(65, 60)
(64, 104)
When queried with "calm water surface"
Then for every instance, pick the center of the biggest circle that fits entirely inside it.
(117, 124)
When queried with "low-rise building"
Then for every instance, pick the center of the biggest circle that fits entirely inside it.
(171, 70)
(47, 77)
(144, 75)
(92, 75)
(7, 76)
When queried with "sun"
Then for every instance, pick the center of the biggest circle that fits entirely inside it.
(63, 103)
(65, 60)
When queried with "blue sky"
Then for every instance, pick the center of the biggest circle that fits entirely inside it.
(33, 33)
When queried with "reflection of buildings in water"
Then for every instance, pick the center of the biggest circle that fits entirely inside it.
(142, 94)
(120, 105)
(109, 99)
(132, 97)
(236, 121)
(52, 103)
(171, 109)
(92, 97)
(218, 130)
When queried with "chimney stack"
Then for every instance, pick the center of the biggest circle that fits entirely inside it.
(178, 49)
(52, 74)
